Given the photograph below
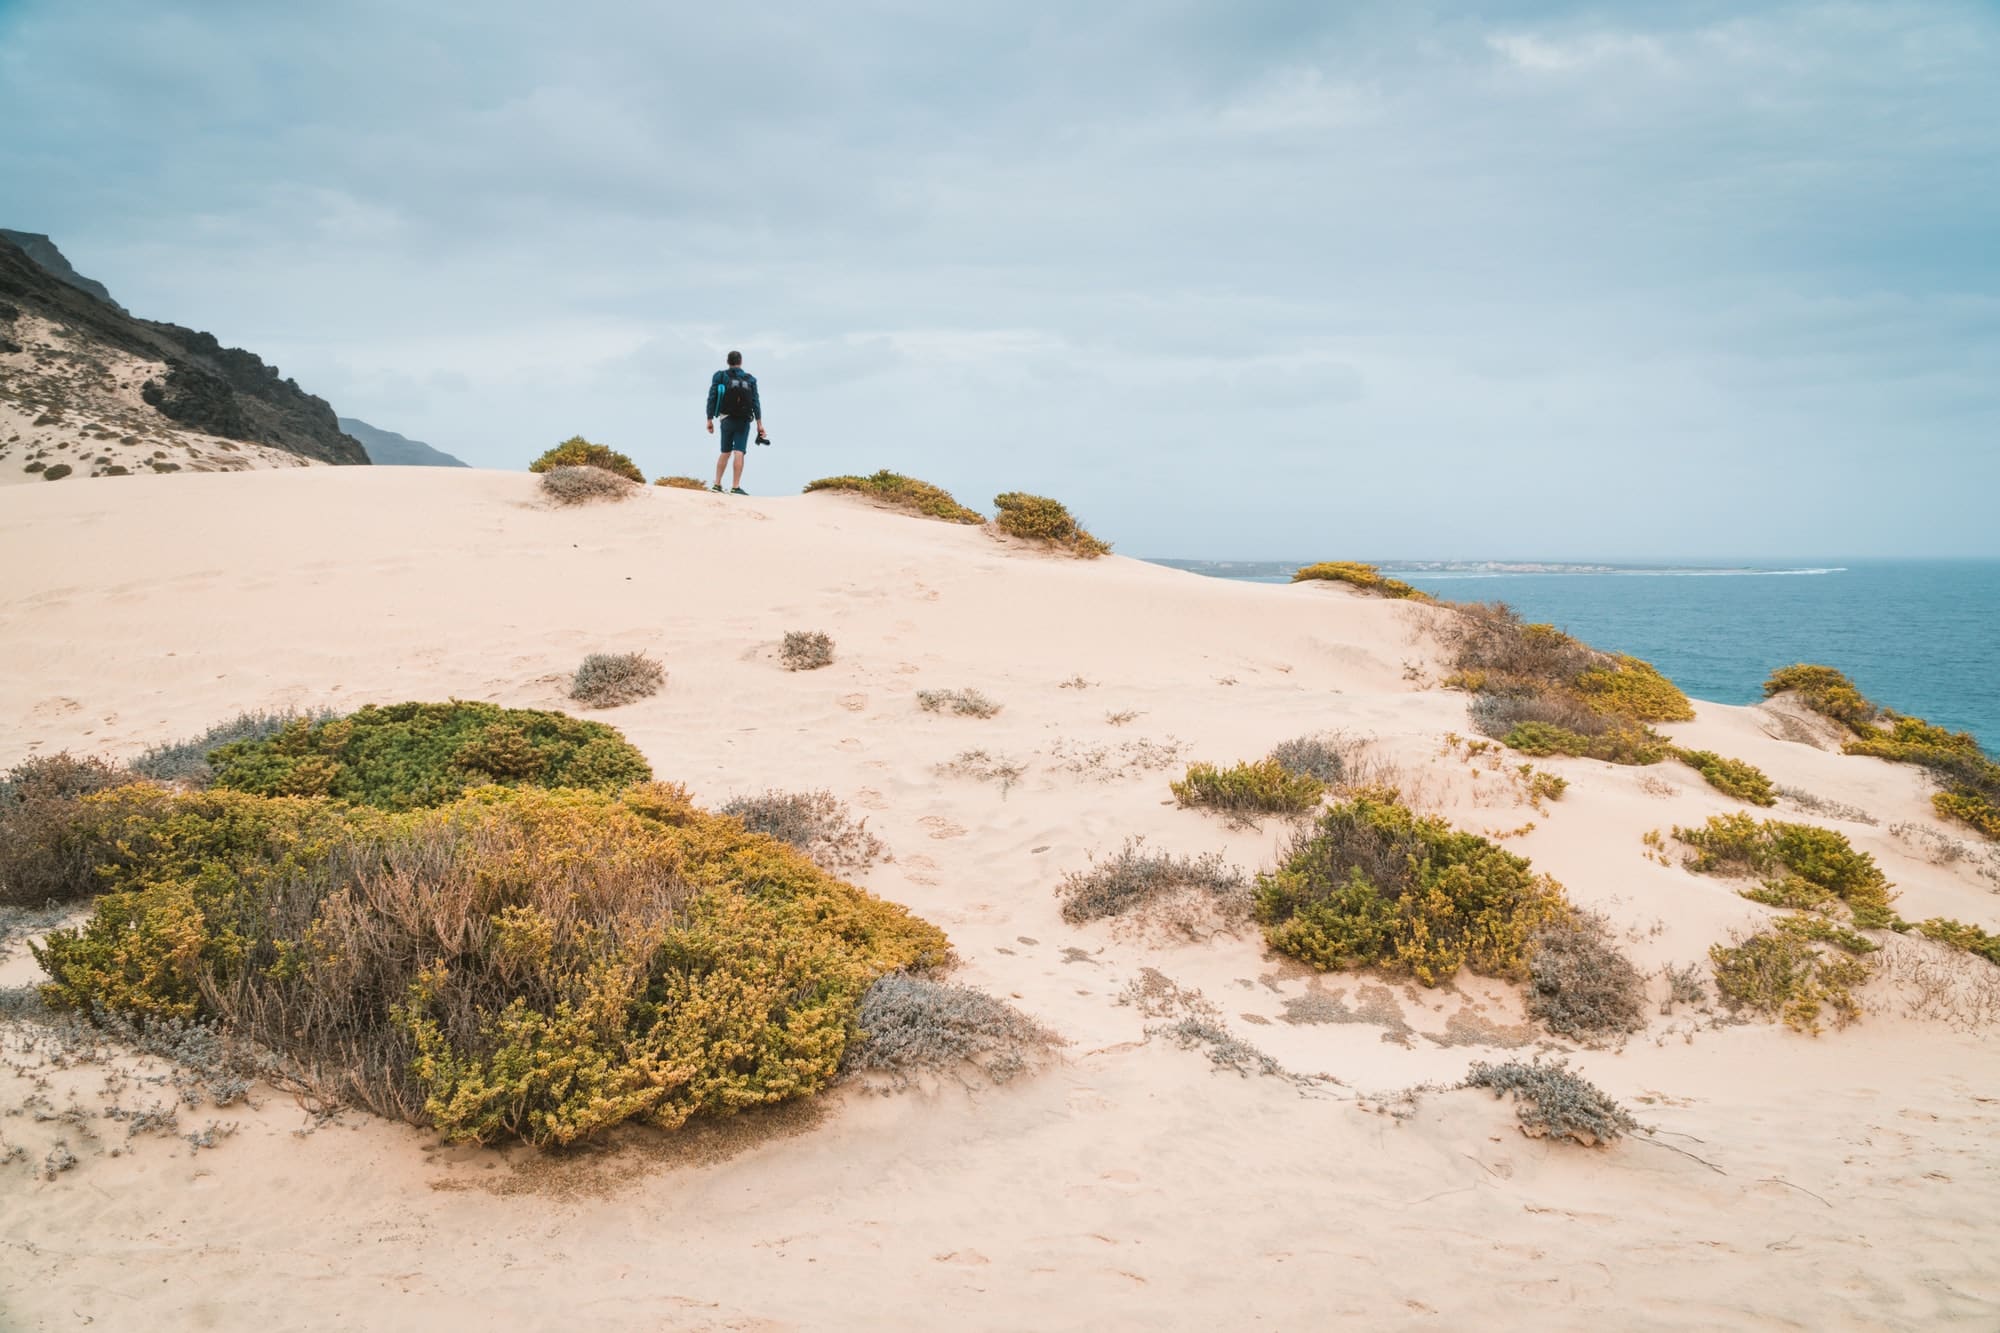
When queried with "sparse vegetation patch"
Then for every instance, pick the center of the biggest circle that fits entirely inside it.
(1579, 985)
(1246, 790)
(1139, 879)
(682, 483)
(911, 1025)
(818, 823)
(963, 703)
(806, 650)
(607, 680)
(1803, 866)
(901, 492)
(580, 485)
(1731, 777)
(1037, 518)
(1550, 1101)
(1784, 973)
(579, 452)
(1358, 575)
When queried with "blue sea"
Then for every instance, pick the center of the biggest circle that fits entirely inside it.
(1919, 636)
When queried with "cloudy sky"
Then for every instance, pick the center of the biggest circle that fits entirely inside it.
(1269, 278)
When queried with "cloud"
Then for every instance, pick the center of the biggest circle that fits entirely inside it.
(1246, 279)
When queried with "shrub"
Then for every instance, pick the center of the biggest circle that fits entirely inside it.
(42, 858)
(1782, 974)
(1262, 787)
(1731, 777)
(1373, 884)
(1958, 935)
(606, 680)
(1136, 878)
(1634, 690)
(1974, 809)
(1815, 867)
(580, 485)
(912, 1024)
(57, 473)
(816, 822)
(1323, 758)
(965, 703)
(901, 492)
(1551, 1101)
(1579, 985)
(187, 761)
(579, 452)
(1826, 692)
(1619, 745)
(1365, 577)
(530, 964)
(1039, 519)
(806, 650)
(682, 483)
(403, 756)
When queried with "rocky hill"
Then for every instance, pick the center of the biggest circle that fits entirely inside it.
(88, 389)
(388, 449)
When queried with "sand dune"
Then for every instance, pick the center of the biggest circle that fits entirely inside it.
(1843, 1181)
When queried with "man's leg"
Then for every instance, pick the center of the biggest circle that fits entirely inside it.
(721, 462)
(738, 482)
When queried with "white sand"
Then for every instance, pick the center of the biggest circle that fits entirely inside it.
(1851, 1179)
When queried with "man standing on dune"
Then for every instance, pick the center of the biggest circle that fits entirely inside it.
(732, 395)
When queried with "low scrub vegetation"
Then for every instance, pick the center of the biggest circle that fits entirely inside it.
(1355, 574)
(1246, 790)
(806, 650)
(581, 485)
(1552, 1102)
(913, 1025)
(818, 823)
(1373, 884)
(1969, 780)
(1140, 880)
(186, 762)
(1957, 935)
(1731, 777)
(1802, 866)
(1326, 759)
(403, 756)
(1544, 693)
(1787, 973)
(1037, 518)
(41, 858)
(682, 483)
(963, 703)
(901, 492)
(607, 680)
(579, 452)
(1579, 985)
(527, 964)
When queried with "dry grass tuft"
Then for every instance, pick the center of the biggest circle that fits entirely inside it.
(682, 483)
(1551, 1102)
(1579, 985)
(911, 1026)
(806, 650)
(962, 703)
(186, 762)
(607, 680)
(1182, 890)
(818, 823)
(581, 485)
(981, 766)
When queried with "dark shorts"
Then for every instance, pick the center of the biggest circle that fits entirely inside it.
(735, 434)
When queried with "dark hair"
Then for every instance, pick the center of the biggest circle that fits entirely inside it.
(736, 358)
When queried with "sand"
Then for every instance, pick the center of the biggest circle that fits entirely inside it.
(1846, 1181)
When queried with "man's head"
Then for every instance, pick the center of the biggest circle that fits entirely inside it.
(736, 358)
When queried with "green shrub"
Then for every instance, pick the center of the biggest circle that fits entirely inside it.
(1262, 787)
(1365, 577)
(1731, 777)
(1039, 519)
(1783, 974)
(806, 650)
(1974, 809)
(1958, 935)
(1373, 884)
(1549, 1101)
(403, 756)
(1634, 690)
(1826, 692)
(579, 452)
(1619, 745)
(187, 761)
(682, 483)
(1579, 985)
(901, 492)
(42, 857)
(607, 680)
(529, 964)
(57, 473)
(1815, 867)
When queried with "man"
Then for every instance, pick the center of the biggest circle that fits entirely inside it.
(732, 395)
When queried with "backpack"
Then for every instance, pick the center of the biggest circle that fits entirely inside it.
(736, 397)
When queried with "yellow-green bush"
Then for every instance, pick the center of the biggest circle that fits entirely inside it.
(1970, 779)
(1806, 866)
(682, 483)
(1731, 777)
(1958, 935)
(1783, 974)
(893, 488)
(1040, 519)
(579, 452)
(1260, 787)
(520, 963)
(1373, 884)
(402, 756)
(1630, 688)
(1617, 745)
(1362, 576)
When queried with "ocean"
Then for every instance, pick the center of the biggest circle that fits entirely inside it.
(1919, 636)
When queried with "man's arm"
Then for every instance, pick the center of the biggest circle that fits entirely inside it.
(756, 403)
(714, 383)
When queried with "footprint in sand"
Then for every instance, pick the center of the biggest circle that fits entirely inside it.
(919, 869)
(941, 828)
(59, 706)
(870, 799)
(854, 703)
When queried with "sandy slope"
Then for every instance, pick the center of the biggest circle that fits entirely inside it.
(1848, 1181)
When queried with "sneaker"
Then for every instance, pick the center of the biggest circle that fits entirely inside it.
(716, 489)
(738, 490)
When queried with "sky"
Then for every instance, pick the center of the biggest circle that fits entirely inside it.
(1272, 278)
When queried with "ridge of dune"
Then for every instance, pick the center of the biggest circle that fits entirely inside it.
(1846, 1180)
